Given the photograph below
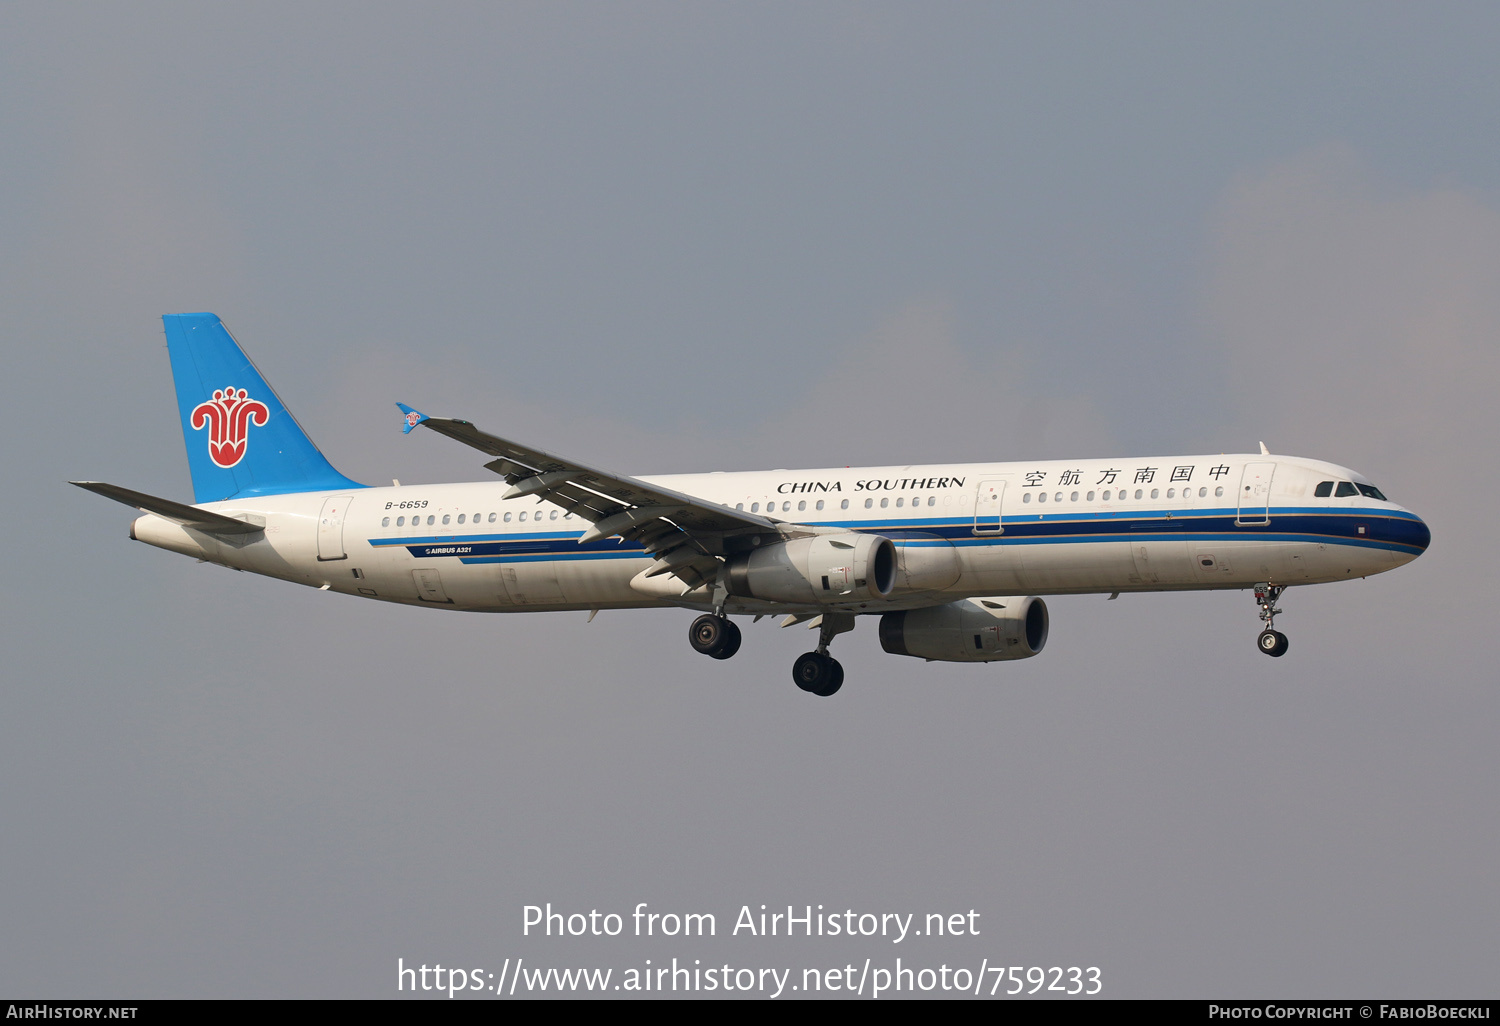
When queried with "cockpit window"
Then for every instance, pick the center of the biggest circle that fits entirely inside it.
(1345, 490)
(1370, 491)
(1324, 489)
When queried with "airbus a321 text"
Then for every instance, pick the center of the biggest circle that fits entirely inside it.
(952, 558)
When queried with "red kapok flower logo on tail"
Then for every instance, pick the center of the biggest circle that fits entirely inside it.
(228, 416)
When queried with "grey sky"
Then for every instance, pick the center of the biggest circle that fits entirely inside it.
(685, 237)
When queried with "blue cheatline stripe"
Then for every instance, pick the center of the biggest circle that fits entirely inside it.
(949, 526)
(1198, 537)
(555, 557)
(578, 555)
(1397, 533)
(463, 539)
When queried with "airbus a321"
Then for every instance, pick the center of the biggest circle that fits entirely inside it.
(952, 558)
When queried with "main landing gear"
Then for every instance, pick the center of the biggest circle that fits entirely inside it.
(1271, 641)
(715, 636)
(819, 673)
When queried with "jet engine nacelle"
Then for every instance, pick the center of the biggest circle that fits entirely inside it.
(925, 563)
(826, 568)
(968, 631)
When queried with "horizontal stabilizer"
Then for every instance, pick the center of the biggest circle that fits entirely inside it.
(187, 516)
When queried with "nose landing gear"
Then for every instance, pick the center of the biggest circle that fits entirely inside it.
(715, 636)
(1271, 641)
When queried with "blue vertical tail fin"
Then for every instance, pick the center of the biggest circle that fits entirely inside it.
(241, 440)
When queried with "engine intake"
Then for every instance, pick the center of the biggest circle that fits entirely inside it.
(979, 630)
(824, 569)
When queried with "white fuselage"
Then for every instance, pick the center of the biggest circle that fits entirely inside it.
(1171, 523)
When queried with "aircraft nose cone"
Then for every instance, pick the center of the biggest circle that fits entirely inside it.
(1421, 536)
(1409, 533)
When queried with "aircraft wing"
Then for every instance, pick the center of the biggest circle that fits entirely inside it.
(683, 532)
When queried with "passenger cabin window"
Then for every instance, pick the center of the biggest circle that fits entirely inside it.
(739, 505)
(844, 504)
(1345, 490)
(385, 521)
(1324, 489)
(869, 503)
(801, 505)
(400, 521)
(492, 518)
(820, 503)
(460, 519)
(507, 518)
(755, 507)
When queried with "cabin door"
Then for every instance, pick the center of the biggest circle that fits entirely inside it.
(1255, 495)
(532, 584)
(429, 586)
(987, 503)
(331, 527)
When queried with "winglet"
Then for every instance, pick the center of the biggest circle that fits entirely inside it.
(413, 418)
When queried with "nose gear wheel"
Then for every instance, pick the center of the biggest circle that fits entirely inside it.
(1271, 641)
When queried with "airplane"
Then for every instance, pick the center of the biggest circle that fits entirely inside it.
(954, 559)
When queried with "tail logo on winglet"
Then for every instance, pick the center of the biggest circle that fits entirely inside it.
(228, 416)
